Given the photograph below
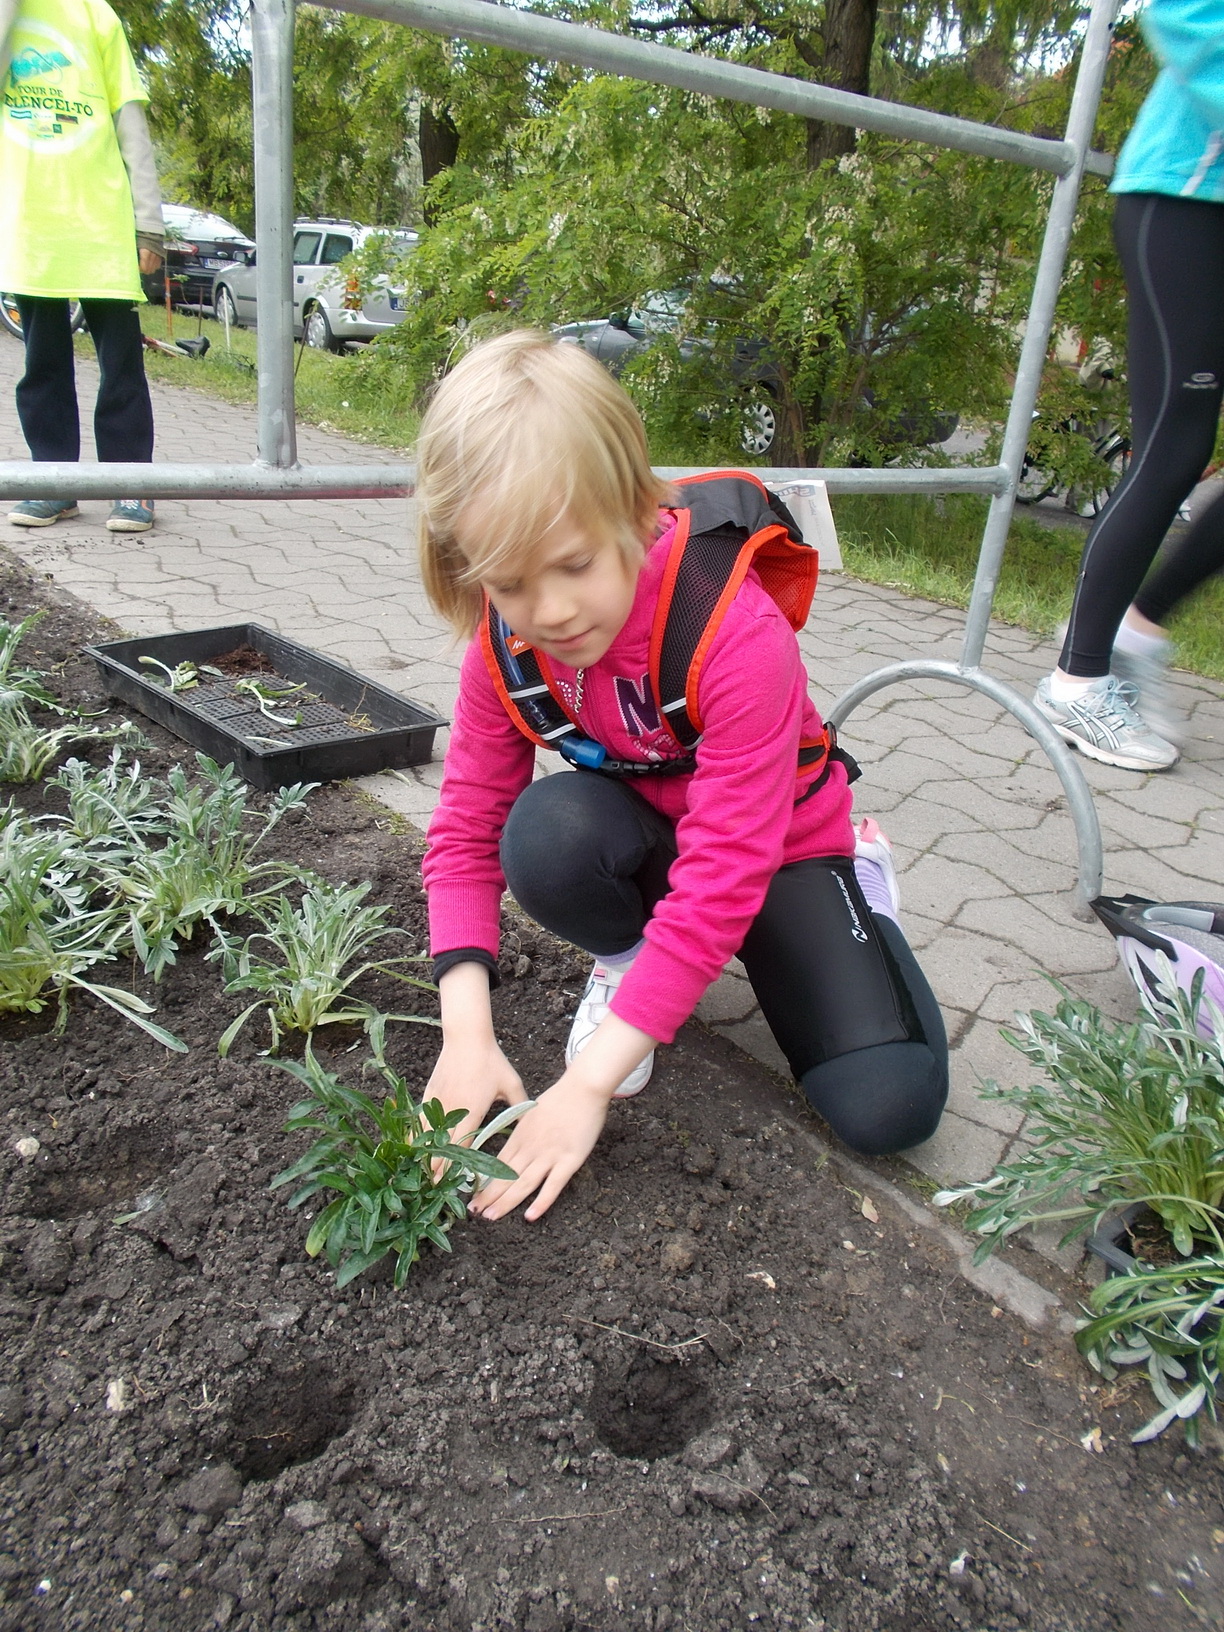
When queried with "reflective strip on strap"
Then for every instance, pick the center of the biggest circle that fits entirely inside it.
(528, 691)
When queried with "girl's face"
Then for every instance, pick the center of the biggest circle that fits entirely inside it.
(572, 598)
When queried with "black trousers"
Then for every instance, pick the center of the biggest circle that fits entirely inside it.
(840, 988)
(1172, 252)
(46, 393)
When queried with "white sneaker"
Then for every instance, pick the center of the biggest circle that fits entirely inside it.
(1103, 723)
(873, 844)
(592, 1007)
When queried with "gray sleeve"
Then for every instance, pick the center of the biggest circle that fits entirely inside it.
(132, 131)
(8, 16)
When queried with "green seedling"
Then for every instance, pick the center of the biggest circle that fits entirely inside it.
(1171, 1320)
(206, 868)
(182, 676)
(22, 685)
(27, 751)
(269, 698)
(1128, 1113)
(49, 935)
(113, 805)
(398, 1178)
(313, 954)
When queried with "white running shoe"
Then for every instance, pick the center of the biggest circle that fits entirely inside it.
(592, 1007)
(873, 844)
(1104, 724)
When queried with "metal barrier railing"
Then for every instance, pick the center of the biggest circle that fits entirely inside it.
(277, 473)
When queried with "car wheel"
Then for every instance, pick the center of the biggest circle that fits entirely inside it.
(317, 331)
(223, 307)
(10, 317)
(760, 427)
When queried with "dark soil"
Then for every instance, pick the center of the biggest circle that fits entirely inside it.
(708, 1391)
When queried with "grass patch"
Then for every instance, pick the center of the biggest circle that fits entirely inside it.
(355, 393)
(929, 547)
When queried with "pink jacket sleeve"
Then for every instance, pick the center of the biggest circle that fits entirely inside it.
(488, 764)
(739, 809)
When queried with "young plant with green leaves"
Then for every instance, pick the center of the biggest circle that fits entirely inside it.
(50, 935)
(313, 953)
(112, 806)
(22, 685)
(27, 750)
(1169, 1318)
(397, 1176)
(181, 676)
(269, 698)
(1126, 1113)
(206, 868)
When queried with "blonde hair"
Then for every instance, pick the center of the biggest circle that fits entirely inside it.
(527, 430)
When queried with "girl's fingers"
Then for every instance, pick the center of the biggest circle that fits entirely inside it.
(549, 1191)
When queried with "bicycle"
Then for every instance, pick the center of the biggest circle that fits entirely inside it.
(10, 317)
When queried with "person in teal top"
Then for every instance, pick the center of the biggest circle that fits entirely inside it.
(1109, 695)
(80, 216)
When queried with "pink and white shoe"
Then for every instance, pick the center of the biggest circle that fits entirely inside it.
(593, 1005)
(871, 843)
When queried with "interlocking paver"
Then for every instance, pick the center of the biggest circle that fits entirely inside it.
(985, 847)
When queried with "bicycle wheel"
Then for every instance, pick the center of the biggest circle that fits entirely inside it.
(1035, 484)
(1113, 452)
(10, 317)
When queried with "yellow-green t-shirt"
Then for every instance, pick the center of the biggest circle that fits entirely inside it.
(66, 222)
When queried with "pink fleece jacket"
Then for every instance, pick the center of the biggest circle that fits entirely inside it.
(737, 817)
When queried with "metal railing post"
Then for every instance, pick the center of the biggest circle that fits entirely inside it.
(272, 107)
(1046, 284)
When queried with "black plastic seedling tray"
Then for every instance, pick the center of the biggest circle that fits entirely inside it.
(350, 726)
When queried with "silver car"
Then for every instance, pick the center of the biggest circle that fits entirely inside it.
(329, 311)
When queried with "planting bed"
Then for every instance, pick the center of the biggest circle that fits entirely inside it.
(815, 1423)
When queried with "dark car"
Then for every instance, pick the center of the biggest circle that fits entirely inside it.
(198, 246)
(614, 340)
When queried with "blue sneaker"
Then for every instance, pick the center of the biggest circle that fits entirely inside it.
(42, 512)
(131, 516)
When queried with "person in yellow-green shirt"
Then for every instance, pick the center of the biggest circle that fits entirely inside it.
(80, 218)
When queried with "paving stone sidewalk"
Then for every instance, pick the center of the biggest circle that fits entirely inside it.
(985, 848)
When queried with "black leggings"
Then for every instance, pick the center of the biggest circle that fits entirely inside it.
(46, 393)
(1172, 251)
(588, 858)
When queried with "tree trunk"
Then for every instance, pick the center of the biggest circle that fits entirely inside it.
(849, 33)
(439, 143)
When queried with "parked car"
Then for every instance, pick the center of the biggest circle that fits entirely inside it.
(328, 311)
(198, 246)
(614, 340)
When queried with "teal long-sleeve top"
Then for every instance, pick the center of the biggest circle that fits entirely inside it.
(1177, 143)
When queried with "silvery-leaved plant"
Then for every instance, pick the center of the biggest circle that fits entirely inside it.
(305, 959)
(1170, 1320)
(397, 1177)
(50, 935)
(1126, 1113)
(205, 869)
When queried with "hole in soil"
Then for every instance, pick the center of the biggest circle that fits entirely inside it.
(112, 1174)
(289, 1417)
(651, 1410)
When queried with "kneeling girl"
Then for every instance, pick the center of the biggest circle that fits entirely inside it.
(544, 530)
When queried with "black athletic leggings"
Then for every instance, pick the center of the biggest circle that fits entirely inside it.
(1172, 252)
(588, 858)
(46, 393)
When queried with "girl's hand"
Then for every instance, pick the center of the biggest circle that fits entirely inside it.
(471, 1073)
(546, 1149)
(472, 1076)
(551, 1142)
